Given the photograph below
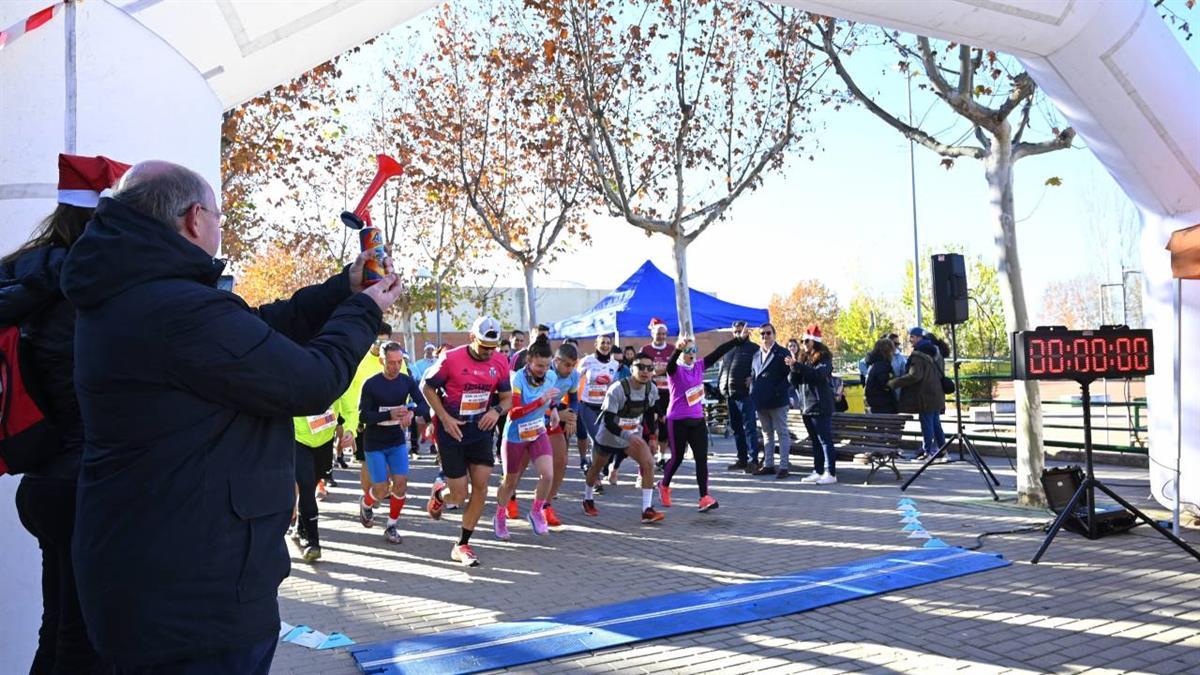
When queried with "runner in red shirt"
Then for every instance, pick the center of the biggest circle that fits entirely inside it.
(659, 352)
(459, 388)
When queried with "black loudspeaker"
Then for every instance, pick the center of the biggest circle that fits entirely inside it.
(949, 289)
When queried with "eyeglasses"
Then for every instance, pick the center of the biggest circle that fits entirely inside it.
(690, 350)
(768, 332)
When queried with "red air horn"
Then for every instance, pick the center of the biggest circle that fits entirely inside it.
(370, 238)
(360, 217)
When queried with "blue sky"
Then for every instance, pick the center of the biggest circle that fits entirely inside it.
(846, 217)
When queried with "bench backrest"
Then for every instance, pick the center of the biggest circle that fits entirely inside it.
(858, 430)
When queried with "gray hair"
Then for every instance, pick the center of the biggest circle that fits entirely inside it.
(162, 191)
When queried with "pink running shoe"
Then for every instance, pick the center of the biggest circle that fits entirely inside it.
(500, 525)
(537, 518)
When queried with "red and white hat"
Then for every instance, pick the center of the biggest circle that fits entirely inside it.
(655, 322)
(82, 179)
(812, 332)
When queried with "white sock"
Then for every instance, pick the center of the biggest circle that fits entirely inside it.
(391, 522)
(647, 497)
(587, 492)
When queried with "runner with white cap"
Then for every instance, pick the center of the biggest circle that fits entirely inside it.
(459, 388)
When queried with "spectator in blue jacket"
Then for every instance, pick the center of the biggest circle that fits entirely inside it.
(770, 393)
(187, 395)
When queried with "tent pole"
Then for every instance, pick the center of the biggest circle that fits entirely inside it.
(1178, 399)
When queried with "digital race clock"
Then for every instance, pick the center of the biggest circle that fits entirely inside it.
(1056, 353)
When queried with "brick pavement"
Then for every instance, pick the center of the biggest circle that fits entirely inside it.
(1121, 604)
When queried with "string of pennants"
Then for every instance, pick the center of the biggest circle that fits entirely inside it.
(30, 23)
(313, 639)
(910, 517)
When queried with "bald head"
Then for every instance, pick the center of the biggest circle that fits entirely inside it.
(175, 196)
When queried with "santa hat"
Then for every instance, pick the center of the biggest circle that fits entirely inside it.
(812, 332)
(82, 179)
(655, 322)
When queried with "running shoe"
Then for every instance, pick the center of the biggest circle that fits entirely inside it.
(584, 465)
(434, 507)
(589, 507)
(392, 535)
(783, 473)
(321, 492)
(331, 481)
(537, 518)
(598, 488)
(811, 479)
(312, 553)
(707, 503)
(613, 478)
(500, 526)
(738, 466)
(765, 471)
(651, 516)
(826, 479)
(463, 554)
(551, 517)
(664, 495)
(366, 514)
(513, 511)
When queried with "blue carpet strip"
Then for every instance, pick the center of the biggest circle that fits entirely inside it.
(512, 643)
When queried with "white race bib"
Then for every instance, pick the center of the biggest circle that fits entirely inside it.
(595, 393)
(629, 423)
(319, 423)
(474, 403)
(529, 431)
(695, 394)
(388, 409)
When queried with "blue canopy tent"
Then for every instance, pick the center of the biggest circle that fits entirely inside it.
(648, 293)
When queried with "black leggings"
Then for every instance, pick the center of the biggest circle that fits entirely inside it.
(46, 507)
(307, 461)
(681, 434)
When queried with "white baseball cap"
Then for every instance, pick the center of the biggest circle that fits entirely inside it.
(487, 331)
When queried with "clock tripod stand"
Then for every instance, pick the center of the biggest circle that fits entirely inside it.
(965, 446)
(1087, 491)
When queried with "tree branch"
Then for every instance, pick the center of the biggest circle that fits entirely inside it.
(1060, 142)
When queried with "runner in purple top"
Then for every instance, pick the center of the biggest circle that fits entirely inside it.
(686, 425)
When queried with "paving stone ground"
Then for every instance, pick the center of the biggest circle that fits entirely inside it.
(1126, 603)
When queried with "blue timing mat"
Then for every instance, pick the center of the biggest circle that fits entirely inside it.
(500, 645)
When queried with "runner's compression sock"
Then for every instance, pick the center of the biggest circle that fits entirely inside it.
(369, 500)
(539, 504)
(396, 504)
(647, 498)
(465, 537)
(588, 492)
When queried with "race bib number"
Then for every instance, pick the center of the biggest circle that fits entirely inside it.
(529, 431)
(629, 423)
(474, 403)
(319, 423)
(595, 392)
(389, 422)
(695, 394)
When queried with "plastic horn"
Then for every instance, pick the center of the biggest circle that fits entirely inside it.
(387, 168)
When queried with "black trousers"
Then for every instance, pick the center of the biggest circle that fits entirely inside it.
(307, 461)
(46, 507)
(323, 460)
(254, 659)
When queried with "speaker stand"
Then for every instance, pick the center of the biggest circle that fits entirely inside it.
(965, 447)
(1087, 490)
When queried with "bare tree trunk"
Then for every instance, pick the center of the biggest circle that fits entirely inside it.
(410, 336)
(683, 301)
(1030, 453)
(530, 297)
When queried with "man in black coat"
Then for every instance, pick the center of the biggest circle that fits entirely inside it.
(187, 396)
(769, 392)
(734, 378)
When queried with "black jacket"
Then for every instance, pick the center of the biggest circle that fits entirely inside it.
(814, 385)
(30, 298)
(880, 399)
(770, 389)
(187, 479)
(735, 373)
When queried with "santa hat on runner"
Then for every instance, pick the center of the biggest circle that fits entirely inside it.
(82, 179)
(655, 322)
(812, 332)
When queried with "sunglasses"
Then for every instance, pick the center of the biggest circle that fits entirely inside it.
(643, 366)
(768, 332)
(690, 350)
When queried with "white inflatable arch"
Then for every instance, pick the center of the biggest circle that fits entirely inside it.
(134, 79)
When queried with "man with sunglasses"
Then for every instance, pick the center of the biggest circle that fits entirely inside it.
(459, 389)
(628, 406)
(770, 395)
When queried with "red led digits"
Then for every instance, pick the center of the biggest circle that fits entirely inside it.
(1124, 355)
(1061, 354)
(1037, 356)
(1055, 363)
(1099, 355)
(1141, 354)
(1079, 356)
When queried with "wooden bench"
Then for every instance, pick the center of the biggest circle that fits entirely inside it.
(871, 440)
